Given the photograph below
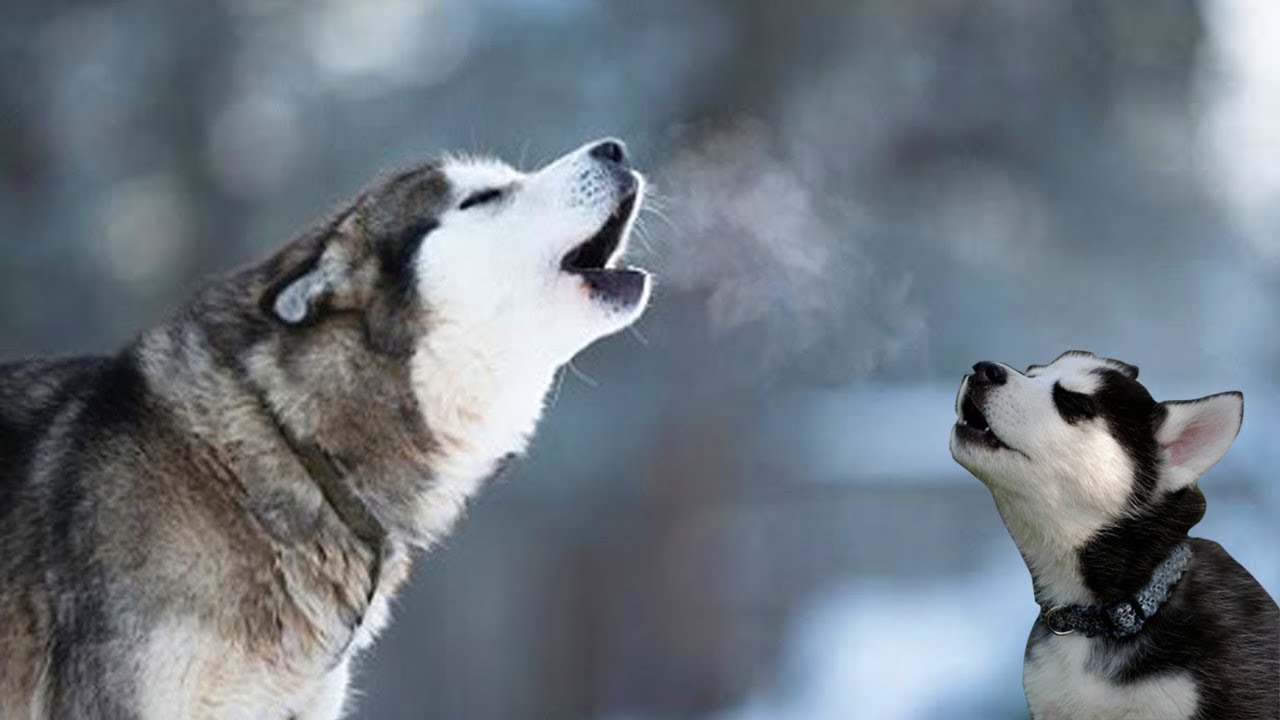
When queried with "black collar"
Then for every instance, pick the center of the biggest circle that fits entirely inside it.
(1127, 616)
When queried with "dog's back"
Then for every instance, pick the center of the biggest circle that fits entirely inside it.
(1225, 629)
(115, 525)
(114, 521)
(33, 395)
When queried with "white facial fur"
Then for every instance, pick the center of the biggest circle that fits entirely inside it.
(1059, 483)
(495, 268)
(503, 315)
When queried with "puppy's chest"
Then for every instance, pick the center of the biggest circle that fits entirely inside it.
(1066, 680)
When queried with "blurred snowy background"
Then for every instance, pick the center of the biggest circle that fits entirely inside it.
(746, 510)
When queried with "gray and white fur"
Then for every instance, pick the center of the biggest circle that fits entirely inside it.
(169, 546)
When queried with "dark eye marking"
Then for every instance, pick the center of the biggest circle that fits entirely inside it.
(396, 254)
(481, 197)
(1073, 406)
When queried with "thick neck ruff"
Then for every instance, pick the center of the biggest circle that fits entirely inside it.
(1127, 616)
(329, 477)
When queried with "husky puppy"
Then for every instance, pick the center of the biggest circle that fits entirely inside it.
(210, 523)
(1096, 482)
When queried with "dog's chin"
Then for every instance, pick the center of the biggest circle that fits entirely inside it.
(615, 301)
(976, 457)
(620, 293)
(961, 450)
(596, 304)
(986, 456)
(981, 439)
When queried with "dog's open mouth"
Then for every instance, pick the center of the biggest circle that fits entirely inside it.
(595, 259)
(972, 425)
(600, 250)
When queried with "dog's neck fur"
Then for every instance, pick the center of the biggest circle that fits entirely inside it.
(490, 402)
(1080, 560)
(1048, 546)
(238, 387)
(380, 417)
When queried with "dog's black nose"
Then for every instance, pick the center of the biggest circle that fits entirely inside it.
(990, 373)
(610, 151)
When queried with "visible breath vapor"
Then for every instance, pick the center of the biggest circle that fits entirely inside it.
(783, 280)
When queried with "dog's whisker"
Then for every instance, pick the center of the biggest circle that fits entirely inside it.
(590, 381)
(663, 217)
(641, 234)
(524, 150)
(640, 338)
(555, 389)
(653, 194)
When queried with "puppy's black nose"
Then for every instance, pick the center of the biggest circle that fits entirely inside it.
(990, 373)
(610, 151)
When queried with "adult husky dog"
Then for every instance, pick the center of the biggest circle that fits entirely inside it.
(209, 523)
(1096, 482)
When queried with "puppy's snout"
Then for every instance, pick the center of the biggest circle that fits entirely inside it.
(610, 151)
(989, 373)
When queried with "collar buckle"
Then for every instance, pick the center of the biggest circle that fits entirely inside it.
(1055, 620)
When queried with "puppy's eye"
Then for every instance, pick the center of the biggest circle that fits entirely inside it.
(1074, 406)
(482, 197)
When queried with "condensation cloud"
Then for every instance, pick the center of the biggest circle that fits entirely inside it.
(782, 279)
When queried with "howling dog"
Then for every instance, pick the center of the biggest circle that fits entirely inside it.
(210, 523)
(1096, 482)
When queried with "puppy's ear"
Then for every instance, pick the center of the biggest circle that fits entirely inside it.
(1193, 435)
(1125, 369)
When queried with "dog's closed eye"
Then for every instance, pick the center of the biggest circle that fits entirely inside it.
(481, 197)
(1073, 406)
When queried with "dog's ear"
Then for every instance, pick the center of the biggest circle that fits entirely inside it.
(1193, 435)
(299, 300)
(306, 278)
(1125, 369)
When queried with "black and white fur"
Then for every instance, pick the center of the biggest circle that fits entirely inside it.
(1097, 483)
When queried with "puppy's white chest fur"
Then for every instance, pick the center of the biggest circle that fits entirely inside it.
(1063, 681)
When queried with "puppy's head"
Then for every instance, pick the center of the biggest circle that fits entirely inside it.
(1081, 437)
(519, 264)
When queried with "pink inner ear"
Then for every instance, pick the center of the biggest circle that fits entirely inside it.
(1188, 444)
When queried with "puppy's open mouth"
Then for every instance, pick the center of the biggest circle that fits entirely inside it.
(595, 259)
(972, 425)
